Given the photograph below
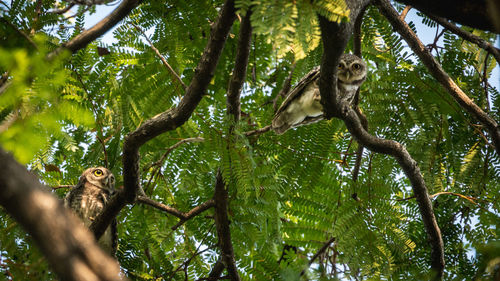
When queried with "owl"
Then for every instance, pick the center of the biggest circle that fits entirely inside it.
(303, 104)
(88, 199)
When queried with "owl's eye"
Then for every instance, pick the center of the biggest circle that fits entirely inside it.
(356, 66)
(98, 172)
(341, 66)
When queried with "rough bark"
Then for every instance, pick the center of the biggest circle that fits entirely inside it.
(169, 119)
(68, 246)
(240, 68)
(335, 37)
(439, 74)
(474, 13)
(222, 225)
(89, 35)
(480, 42)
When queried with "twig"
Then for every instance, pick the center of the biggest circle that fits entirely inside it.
(405, 11)
(24, 35)
(173, 211)
(320, 251)
(196, 253)
(162, 207)
(194, 212)
(63, 10)
(62, 186)
(162, 58)
(258, 131)
(171, 148)
(439, 74)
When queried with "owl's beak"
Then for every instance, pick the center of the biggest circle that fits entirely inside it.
(347, 75)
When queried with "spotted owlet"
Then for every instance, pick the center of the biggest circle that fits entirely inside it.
(302, 105)
(88, 199)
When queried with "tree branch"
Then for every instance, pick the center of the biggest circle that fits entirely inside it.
(89, 35)
(335, 36)
(68, 246)
(469, 37)
(222, 225)
(320, 251)
(474, 13)
(167, 120)
(357, 52)
(240, 68)
(163, 60)
(162, 207)
(194, 212)
(437, 71)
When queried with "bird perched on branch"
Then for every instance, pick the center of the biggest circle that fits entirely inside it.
(88, 199)
(303, 104)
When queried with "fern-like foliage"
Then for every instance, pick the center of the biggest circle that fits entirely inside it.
(288, 194)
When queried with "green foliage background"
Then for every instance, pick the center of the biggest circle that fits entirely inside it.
(288, 191)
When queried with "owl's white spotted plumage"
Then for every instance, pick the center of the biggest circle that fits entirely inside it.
(88, 199)
(303, 104)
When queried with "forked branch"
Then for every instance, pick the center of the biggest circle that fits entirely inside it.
(169, 119)
(335, 37)
(437, 71)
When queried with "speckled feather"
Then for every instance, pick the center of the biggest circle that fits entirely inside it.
(286, 117)
(89, 197)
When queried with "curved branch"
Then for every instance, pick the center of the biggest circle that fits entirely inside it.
(474, 13)
(194, 212)
(318, 253)
(437, 71)
(89, 35)
(167, 120)
(65, 242)
(162, 207)
(335, 36)
(480, 42)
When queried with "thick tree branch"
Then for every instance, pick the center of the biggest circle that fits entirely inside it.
(222, 225)
(66, 243)
(469, 37)
(474, 13)
(240, 68)
(169, 119)
(439, 74)
(335, 37)
(221, 197)
(89, 35)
